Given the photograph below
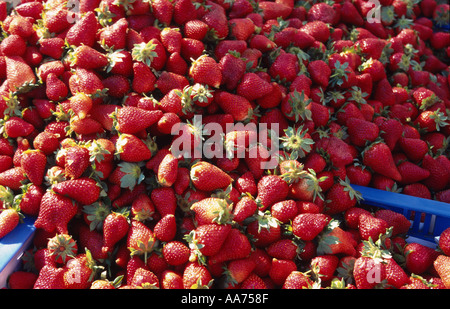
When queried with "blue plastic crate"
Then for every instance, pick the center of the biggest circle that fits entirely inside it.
(12, 247)
(429, 218)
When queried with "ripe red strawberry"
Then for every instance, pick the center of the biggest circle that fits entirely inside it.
(361, 131)
(205, 70)
(30, 199)
(444, 241)
(163, 10)
(253, 281)
(398, 221)
(284, 249)
(55, 213)
(13, 178)
(297, 280)
(320, 72)
(34, 164)
(76, 161)
(217, 22)
(285, 67)
(390, 130)
(371, 227)
(412, 173)
(140, 239)
(132, 149)
(206, 240)
(236, 246)
(395, 274)
(115, 228)
(88, 58)
(83, 32)
(237, 271)
(175, 253)
(414, 148)
(166, 228)
(340, 197)
(134, 119)
(253, 86)
(165, 200)
(439, 172)
(18, 72)
(17, 127)
(115, 34)
(168, 171)
(271, 189)
(171, 280)
(80, 271)
(324, 266)
(245, 208)
(196, 275)
(284, 211)
(208, 177)
(9, 219)
(20, 280)
(335, 240)
(379, 158)
(419, 258)
(368, 272)
(308, 226)
(212, 210)
(441, 265)
(62, 247)
(280, 270)
(50, 277)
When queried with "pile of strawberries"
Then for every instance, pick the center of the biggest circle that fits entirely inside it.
(90, 97)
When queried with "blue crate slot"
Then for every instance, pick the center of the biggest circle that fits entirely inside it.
(12, 247)
(429, 217)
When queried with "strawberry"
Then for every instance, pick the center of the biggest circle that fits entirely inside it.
(237, 271)
(9, 219)
(438, 172)
(62, 247)
(196, 275)
(208, 177)
(368, 272)
(13, 178)
(341, 197)
(361, 131)
(307, 226)
(171, 280)
(15, 127)
(441, 265)
(143, 78)
(132, 120)
(271, 189)
(444, 241)
(83, 32)
(284, 249)
(419, 258)
(55, 213)
(175, 253)
(395, 274)
(115, 34)
(76, 161)
(371, 227)
(165, 229)
(285, 67)
(132, 149)
(115, 227)
(320, 72)
(284, 211)
(50, 277)
(205, 70)
(390, 130)
(414, 148)
(80, 271)
(217, 22)
(14, 65)
(34, 164)
(251, 82)
(253, 281)
(206, 240)
(324, 267)
(165, 200)
(236, 246)
(20, 280)
(297, 280)
(211, 210)
(140, 239)
(335, 240)
(378, 157)
(280, 270)
(244, 208)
